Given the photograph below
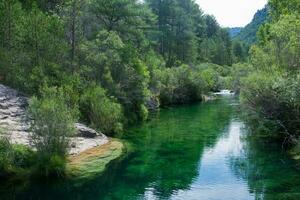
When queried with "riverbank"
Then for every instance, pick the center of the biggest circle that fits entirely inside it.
(88, 147)
(197, 151)
(16, 125)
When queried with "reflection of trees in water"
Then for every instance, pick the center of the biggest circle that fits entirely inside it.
(169, 160)
(269, 172)
(166, 158)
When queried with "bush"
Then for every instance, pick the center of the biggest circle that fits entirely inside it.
(184, 84)
(273, 104)
(50, 165)
(104, 113)
(13, 158)
(271, 92)
(214, 77)
(52, 126)
(211, 79)
(23, 157)
(177, 85)
(238, 72)
(6, 156)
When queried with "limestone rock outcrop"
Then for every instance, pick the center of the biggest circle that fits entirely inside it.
(14, 122)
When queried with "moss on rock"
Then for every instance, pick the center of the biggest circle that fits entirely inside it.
(93, 162)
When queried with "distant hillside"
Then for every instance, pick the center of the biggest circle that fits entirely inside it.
(248, 34)
(233, 32)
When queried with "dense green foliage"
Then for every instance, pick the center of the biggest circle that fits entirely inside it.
(5, 155)
(177, 85)
(123, 46)
(101, 111)
(187, 36)
(271, 92)
(107, 63)
(13, 158)
(51, 127)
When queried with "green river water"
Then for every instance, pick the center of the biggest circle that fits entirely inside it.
(195, 152)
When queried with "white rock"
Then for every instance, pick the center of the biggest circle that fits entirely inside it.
(14, 122)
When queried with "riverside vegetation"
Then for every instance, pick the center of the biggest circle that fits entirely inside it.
(269, 85)
(270, 93)
(105, 63)
(109, 62)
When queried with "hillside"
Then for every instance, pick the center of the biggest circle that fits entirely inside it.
(248, 34)
(233, 32)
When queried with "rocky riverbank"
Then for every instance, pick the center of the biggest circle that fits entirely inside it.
(93, 161)
(14, 122)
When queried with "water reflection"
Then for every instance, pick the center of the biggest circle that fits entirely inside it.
(269, 172)
(216, 180)
(190, 152)
(168, 149)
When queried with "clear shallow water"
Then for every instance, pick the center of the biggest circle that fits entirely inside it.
(195, 152)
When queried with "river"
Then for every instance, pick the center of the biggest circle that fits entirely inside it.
(194, 152)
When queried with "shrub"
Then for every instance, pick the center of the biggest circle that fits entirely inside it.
(178, 85)
(13, 158)
(238, 72)
(271, 92)
(52, 126)
(6, 156)
(214, 77)
(273, 104)
(104, 113)
(211, 79)
(186, 84)
(23, 157)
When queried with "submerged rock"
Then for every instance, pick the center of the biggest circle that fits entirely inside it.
(14, 122)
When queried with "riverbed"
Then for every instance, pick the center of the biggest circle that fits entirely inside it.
(193, 152)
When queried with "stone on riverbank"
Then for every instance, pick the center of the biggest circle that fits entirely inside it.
(93, 161)
(14, 122)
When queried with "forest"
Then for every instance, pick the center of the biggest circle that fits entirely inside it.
(126, 52)
(109, 63)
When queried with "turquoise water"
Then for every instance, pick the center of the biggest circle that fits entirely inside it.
(195, 152)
